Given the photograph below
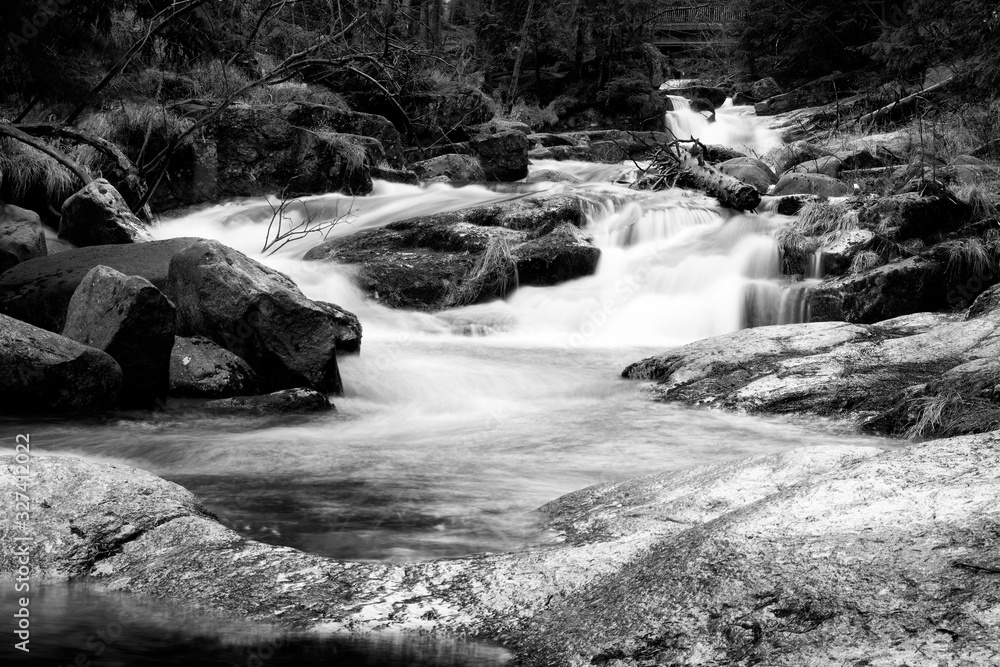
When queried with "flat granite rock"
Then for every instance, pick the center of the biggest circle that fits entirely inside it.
(818, 556)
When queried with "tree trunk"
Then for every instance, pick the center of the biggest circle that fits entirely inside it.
(515, 77)
(688, 170)
(731, 193)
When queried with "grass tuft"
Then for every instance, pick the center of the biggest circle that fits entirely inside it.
(967, 257)
(818, 218)
(980, 200)
(495, 274)
(866, 260)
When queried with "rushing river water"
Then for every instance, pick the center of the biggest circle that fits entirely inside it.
(455, 427)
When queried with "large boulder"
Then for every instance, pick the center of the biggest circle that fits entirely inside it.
(260, 151)
(41, 371)
(331, 119)
(921, 375)
(39, 290)
(467, 256)
(258, 314)
(127, 317)
(98, 215)
(563, 254)
(742, 169)
(810, 184)
(440, 113)
(304, 146)
(21, 236)
(912, 285)
(914, 215)
(199, 367)
(502, 156)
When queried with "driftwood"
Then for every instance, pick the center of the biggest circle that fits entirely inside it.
(904, 105)
(672, 166)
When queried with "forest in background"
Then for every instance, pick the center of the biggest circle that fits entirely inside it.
(142, 73)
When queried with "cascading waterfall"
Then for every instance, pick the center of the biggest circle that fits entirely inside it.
(456, 426)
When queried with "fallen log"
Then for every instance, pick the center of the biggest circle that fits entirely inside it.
(904, 105)
(673, 167)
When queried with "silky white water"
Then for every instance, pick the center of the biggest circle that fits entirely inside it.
(456, 426)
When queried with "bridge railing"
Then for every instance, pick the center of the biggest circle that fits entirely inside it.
(700, 13)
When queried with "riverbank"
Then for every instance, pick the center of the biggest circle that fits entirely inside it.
(822, 555)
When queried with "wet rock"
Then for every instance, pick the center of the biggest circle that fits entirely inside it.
(563, 254)
(258, 314)
(41, 371)
(38, 291)
(922, 375)
(828, 554)
(584, 153)
(98, 215)
(914, 215)
(21, 236)
(127, 317)
(341, 121)
(199, 367)
(280, 402)
(503, 156)
(810, 184)
(437, 114)
(466, 256)
(453, 166)
(838, 252)
(551, 176)
(348, 327)
(394, 175)
(912, 285)
(260, 151)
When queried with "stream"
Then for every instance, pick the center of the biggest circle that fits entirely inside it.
(454, 427)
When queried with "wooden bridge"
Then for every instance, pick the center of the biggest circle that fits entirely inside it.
(691, 24)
